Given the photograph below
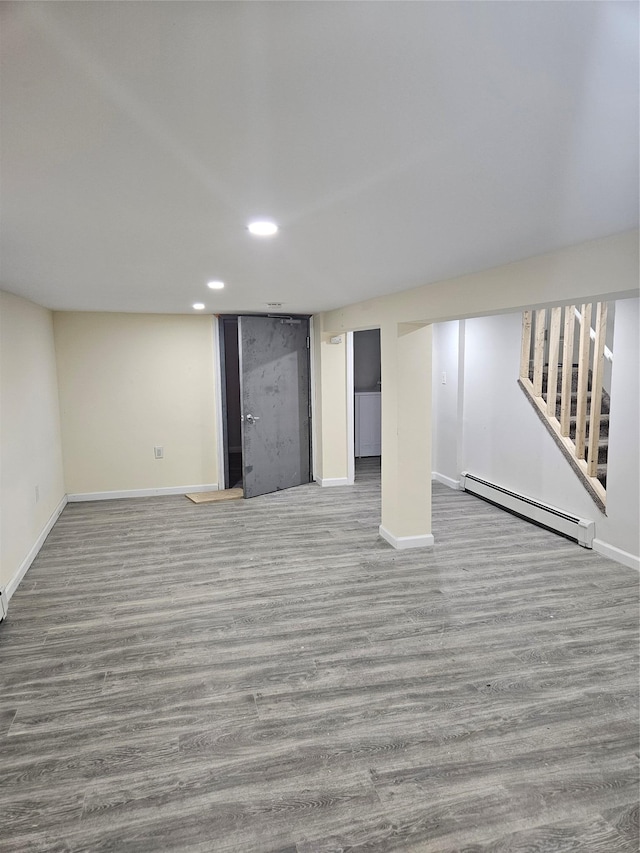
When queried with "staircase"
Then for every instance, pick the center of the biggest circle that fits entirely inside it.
(603, 438)
(576, 412)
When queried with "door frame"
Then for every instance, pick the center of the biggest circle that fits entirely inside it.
(312, 397)
(219, 388)
(219, 378)
(351, 425)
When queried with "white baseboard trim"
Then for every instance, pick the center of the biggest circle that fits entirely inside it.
(617, 554)
(404, 542)
(334, 481)
(446, 481)
(142, 493)
(12, 586)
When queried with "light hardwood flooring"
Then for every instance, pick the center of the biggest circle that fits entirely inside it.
(269, 675)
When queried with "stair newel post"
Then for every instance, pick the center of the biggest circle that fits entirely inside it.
(583, 379)
(538, 352)
(567, 368)
(596, 387)
(554, 350)
(525, 353)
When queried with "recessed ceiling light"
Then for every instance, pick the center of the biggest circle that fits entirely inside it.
(262, 228)
(198, 306)
(215, 285)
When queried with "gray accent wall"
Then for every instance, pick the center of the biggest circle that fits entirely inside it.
(366, 360)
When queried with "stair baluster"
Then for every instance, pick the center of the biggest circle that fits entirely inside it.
(538, 352)
(583, 379)
(525, 352)
(545, 374)
(596, 388)
(567, 369)
(554, 350)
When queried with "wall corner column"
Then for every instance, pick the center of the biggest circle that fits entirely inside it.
(331, 433)
(406, 434)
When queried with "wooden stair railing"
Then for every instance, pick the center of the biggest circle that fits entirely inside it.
(568, 394)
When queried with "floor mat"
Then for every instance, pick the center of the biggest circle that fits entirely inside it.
(210, 497)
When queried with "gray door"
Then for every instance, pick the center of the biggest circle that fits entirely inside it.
(274, 395)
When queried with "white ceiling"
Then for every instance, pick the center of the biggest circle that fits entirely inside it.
(396, 144)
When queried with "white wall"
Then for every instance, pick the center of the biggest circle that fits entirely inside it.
(504, 440)
(129, 382)
(30, 446)
(603, 269)
(334, 443)
(406, 434)
(445, 402)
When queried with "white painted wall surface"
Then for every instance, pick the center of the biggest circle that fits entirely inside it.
(129, 382)
(505, 442)
(30, 446)
(332, 434)
(620, 528)
(445, 402)
(406, 434)
(600, 269)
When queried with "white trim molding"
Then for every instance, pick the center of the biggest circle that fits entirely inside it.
(33, 553)
(617, 554)
(446, 481)
(351, 449)
(401, 543)
(141, 493)
(218, 380)
(333, 481)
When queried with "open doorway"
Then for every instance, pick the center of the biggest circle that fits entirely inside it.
(232, 427)
(265, 410)
(367, 387)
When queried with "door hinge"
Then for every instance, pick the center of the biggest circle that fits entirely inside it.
(308, 342)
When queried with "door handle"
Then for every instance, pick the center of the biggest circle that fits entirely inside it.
(252, 418)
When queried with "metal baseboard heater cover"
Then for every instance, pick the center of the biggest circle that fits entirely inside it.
(579, 529)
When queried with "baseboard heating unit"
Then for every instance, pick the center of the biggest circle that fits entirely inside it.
(581, 530)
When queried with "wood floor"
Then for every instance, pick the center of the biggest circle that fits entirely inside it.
(269, 675)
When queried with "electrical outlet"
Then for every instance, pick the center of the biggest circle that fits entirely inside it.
(444, 378)
(158, 452)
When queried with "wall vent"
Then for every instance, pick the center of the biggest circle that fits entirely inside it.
(581, 530)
